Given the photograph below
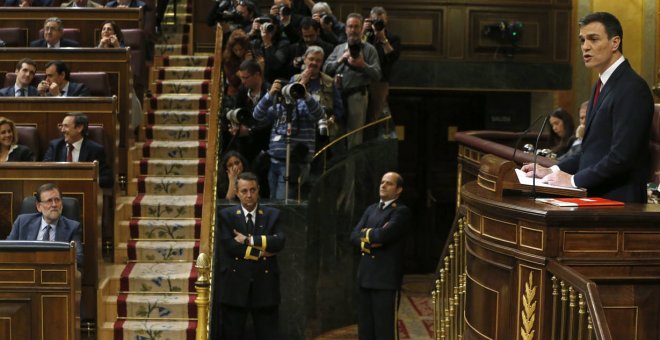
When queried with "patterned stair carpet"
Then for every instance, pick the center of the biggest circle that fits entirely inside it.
(161, 237)
(415, 312)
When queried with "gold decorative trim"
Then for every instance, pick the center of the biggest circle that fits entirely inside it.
(469, 221)
(483, 228)
(34, 280)
(523, 245)
(623, 238)
(66, 277)
(528, 314)
(565, 232)
(484, 183)
(44, 317)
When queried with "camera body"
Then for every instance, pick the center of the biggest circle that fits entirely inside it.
(225, 12)
(354, 48)
(328, 19)
(263, 20)
(378, 24)
(285, 10)
(268, 27)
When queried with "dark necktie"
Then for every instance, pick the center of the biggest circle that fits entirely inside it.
(381, 205)
(250, 224)
(69, 153)
(21, 92)
(598, 86)
(46, 236)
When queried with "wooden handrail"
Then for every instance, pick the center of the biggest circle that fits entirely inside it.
(590, 291)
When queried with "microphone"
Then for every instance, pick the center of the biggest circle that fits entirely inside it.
(515, 148)
(536, 154)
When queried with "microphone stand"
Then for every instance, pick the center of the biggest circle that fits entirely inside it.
(515, 148)
(536, 154)
(288, 154)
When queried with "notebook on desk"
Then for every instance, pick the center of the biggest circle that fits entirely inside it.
(580, 202)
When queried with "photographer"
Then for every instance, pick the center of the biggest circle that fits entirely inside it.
(332, 30)
(288, 20)
(309, 30)
(354, 65)
(269, 43)
(248, 136)
(232, 15)
(322, 88)
(294, 113)
(388, 46)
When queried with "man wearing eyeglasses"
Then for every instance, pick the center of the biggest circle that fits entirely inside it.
(74, 146)
(48, 224)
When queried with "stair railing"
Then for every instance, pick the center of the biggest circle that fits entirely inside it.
(203, 283)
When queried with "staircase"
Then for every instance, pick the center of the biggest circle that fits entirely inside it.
(149, 292)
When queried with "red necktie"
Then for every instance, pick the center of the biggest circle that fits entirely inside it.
(597, 93)
(69, 153)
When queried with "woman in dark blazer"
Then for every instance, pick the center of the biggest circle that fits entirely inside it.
(10, 150)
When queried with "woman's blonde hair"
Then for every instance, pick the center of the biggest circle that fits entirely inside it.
(4, 121)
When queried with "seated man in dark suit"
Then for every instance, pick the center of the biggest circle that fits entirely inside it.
(74, 147)
(28, 3)
(25, 69)
(57, 82)
(81, 3)
(125, 3)
(48, 224)
(53, 31)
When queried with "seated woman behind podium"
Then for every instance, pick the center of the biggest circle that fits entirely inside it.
(561, 135)
(10, 150)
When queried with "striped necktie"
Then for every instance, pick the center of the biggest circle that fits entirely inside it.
(46, 236)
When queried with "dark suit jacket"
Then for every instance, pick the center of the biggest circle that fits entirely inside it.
(78, 90)
(381, 267)
(242, 273)
(89, 151)
(134, 3)
(63, 43)
(26, 228)
(614, 160)
(11, 92)
(35, 3)
(21, 154)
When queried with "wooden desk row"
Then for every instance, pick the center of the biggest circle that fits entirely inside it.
(88, 20)
(115, 62)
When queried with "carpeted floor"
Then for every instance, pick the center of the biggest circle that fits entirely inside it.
(415, 312)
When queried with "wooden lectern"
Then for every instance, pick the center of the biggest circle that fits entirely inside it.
(39, 290)
(514, 253)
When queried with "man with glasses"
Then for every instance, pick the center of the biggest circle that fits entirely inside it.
(53, 32)
(75, 147)
(48, 224)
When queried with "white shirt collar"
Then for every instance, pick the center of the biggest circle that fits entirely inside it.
(44, 224)
(14, 146)
(253, 212)
(606, 75)
(53, 46)
(387, 203)
(18, 88)
(65, 89)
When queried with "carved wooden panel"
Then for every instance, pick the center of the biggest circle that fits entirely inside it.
(15, 315)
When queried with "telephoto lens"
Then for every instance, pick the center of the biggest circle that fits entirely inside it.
(354, 48)
(285, 10)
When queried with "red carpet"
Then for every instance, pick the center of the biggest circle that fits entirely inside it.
(415, 312)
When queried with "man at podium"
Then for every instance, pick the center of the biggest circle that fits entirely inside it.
(48, 224)
(614, 160)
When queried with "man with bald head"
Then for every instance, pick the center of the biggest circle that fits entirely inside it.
(380, 235)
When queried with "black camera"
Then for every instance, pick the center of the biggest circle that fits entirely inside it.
(239, 116)
(328, 19)
(354, 48)
(268, 27)
(285, 10)
(263, 20)
(378, 24)
(225, 12)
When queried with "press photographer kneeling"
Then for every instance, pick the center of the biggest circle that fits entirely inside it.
(294, 113)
